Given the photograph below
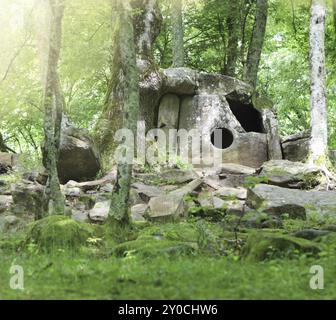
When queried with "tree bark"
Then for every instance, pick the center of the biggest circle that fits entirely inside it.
(232, 23)
(318, 105)
(177, 33)
(53, 106)
(127, 102)
(256, 44)
(334, 14)
(146, 25)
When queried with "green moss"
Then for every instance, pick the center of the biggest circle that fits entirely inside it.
(182, 231)
(263, 246)
(152, 246)
(58, 232)
(88, 200)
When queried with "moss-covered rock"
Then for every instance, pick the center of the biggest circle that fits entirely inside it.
(263, 246)
(58, 232)
(182, 231)
(290, 174)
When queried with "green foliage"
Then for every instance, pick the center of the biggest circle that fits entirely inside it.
(252, 181)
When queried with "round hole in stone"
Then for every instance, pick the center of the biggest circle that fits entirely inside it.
(221, 138)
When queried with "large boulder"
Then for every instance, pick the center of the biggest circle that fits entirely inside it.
(79, 158)
(290, 174)
(296, 203)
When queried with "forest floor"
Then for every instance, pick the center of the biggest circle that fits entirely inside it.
(94, 274)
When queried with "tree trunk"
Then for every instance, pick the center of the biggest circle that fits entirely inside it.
(53, 105)
(177, 33)
(256, 44)
(334, 14)
(146, 25)
(232, 22)
(318, 105)
(127, 102)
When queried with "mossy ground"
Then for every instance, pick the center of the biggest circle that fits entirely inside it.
(170, 261)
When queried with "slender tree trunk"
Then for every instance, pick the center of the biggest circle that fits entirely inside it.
(177, 33)
(245, 12)
(127, 102)
(256, 44)
(232, 22)
(53, 105)
(318, 105)
(334, 14)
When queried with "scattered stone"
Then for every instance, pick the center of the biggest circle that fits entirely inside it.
(166, 207)
(295, 203)
(93, 185)
(205, 200)
(27, 198)
(187, 189)
(72, 192)
(177, 176)
(227, 192)
(137, 217)
(235, 207)
(135, 197)
(232, 168)
(139, 209)
(100, 211)
(147, 192)
(290, 174)
(108, 188)
(218, 203)
(5, 203)
(80, 216)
